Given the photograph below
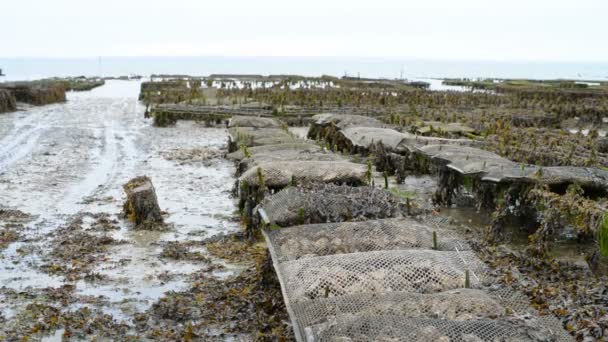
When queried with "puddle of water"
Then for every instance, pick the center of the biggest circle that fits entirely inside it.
(467, 217)
(16, 271)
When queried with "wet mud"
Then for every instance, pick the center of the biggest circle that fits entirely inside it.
(73, 268)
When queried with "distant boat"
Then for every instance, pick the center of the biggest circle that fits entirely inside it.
(1, 74)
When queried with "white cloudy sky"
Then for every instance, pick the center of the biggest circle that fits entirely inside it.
(543, 30)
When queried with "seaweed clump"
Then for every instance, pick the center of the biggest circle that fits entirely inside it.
(571, 293)
(40, 319)
(75, 251)
(249, 305)
(8, 103)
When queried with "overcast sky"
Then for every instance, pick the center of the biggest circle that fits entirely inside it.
(537, 30)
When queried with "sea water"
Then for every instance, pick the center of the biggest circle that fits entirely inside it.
(36, 68)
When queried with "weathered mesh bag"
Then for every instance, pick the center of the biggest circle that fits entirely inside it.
(458, 305)
(250, 136)
(342, 121)
(399, 328)
(502, 305)
(313, 240)
(325, 126)
(398, 295)
(322, 203)
(253, 121)
(470, 160)
(360, 139)
(447, 154)
(586, 177)
(274, 176)
(417, 271)
(282, 152)
(280, 174)
(289, 148)
(393, 141)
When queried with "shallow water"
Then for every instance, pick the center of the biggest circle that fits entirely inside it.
(60, 161)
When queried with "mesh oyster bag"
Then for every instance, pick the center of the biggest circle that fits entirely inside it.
(269, 150)
(417, 271)
(251, 136)
(322, 203)
(282, 173)
(305, 241)
(399, 328)
(280, 152)
(253, 121)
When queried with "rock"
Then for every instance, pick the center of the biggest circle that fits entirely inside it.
(141, 206)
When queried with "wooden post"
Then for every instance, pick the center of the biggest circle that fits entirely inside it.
(141, 206)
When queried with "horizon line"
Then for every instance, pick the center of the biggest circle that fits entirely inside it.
(379, 58)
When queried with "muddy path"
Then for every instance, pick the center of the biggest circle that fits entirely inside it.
(61, 173)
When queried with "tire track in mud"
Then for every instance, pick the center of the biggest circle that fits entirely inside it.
(95, 146)
(97, 174)
(18, 147)
(26, 131)
(104, 160)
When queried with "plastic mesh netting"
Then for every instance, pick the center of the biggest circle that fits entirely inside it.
(380, 279)
(469, 160)
(282, 152)
(283, 173)
(253, 121)
(586, 177)
(326, 125)
(364, 137)
(404, 295)
(346, 120)
(458, 305)
(453, 306)
(293, 148)
(322, 203)
(313, 240)
(400, 328)
(353, 268)
(251, 136)
(448, 154)
(418, 271)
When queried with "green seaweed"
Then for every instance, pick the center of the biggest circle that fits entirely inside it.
(603, 236)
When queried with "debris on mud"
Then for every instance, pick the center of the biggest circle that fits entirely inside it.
(203, 155)
(235, 248)
(13, 215)
(38, 320)
(177, 250)
(141, 206)
(103, 222)
(11, 224)
(244, 307)
(7, 236)
(568, 291)
(75, 251)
